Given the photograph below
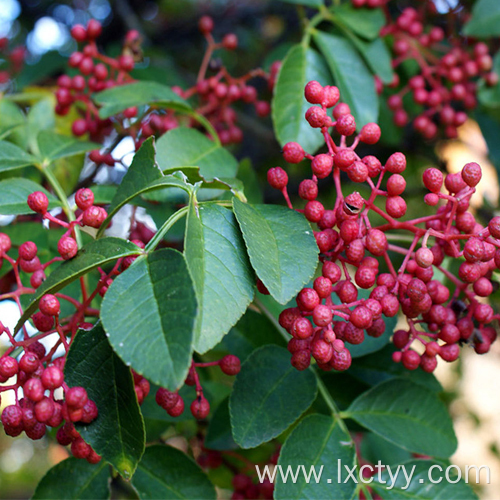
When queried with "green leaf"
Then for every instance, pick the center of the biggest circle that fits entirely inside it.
(149, 312)
(96, 253)
(485, 20)
(116, 99)
(289, 105)
(352, 77)
(54, 146)
(281, 247)
(13, 157)
(186, 147)
(74, 479)
(407, 415)
(166, 472)
(374, 448)
(117, 434)
(308, 3)
(421, 487)
(379, 367)
(216, 256)
(268, 396)
(377, 57)
(317, 441)
(142, 176)
(41, 116)
(14, 193)
(366, 22)
(219, 436)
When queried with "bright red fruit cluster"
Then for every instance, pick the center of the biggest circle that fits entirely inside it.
(445, 85)
(12, 60)
(333, 313)
(215, 95)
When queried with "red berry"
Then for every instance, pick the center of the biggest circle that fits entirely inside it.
(67, 247)
(471, 174)
(230, 365)
(38, 202)
(396, 164)
(206, 25)
(28, 250)
(49, 305)
(370, 133)
(396, 185)
(79, 33)
(341, 360)
(178, 409)
(200, 408)
(94, 29)
(84, 198)
(314, 92)
(76, 397)
(346, 125)
(126, 62)
(322, 165)
(52, 377)
(410, 359)
(230, 41)
(293, 152)
(277, 178)
(80, 449)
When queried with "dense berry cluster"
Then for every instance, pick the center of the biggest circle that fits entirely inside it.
(445, 85)
(213, 96)
(173, 403)
(334, 313)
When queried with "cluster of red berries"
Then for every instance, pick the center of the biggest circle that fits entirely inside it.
(91, 216)
(96, 73)
(12, 60)
(352, 251)
(245, 488)
(447, 80)
(216, 94)
(173, 403)
(40, 407)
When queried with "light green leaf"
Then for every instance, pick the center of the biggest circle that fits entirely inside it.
(13, 157)
(289, 105)
(54, 146)
(116, 99)
(281, 247)
(14, 193)
(485, 19)
(186, 147)
(354, 80)
(224, 281)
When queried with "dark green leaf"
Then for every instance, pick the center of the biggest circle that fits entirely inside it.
(407, 415)
(308, 3)
(289, 105)
(485, 20)
(374, 448)
(13, 157)
(224, 281)
(97, 253)
(186, 147)
(54, 146)
(117, 434)
(14, 193)
(269, 394)
(116, 99)
(377, 57)
(281, 247)
(317, 442)
(352, 77)
(248, 175)
(74, 479)
(366, 22)
(41, 116)
(149, 313)
(219, 436)
(167, 473)
(421, 487)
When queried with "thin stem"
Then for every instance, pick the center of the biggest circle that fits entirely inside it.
(156, 239)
